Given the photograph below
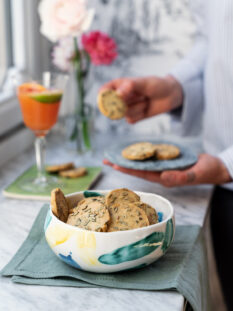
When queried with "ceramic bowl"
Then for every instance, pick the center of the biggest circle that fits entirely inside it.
(106, 252)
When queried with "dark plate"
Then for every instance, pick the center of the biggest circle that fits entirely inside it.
(186, 159)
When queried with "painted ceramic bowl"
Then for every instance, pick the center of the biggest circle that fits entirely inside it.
(106, 252)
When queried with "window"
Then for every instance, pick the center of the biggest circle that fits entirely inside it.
(23, 52)
(5, 39)
(12, 52)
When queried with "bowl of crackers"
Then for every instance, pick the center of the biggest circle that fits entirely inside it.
(107, 231)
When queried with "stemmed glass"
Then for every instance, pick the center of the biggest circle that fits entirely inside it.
(40, 102)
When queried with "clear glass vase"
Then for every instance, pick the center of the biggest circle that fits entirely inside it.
(80, 130)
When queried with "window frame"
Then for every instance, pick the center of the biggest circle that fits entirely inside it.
(6, 45)
(29, 58)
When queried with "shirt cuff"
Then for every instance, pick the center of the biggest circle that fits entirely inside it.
(227, 158)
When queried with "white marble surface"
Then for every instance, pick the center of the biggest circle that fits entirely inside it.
(17, 217)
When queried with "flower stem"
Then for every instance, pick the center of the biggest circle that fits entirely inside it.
(79, 77)
(86, 137)
(78, 66)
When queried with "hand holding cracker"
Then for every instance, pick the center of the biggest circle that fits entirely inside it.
(144, 97)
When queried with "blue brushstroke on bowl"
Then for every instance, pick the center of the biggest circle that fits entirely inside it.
(133, 251)
(69, 260)
(160, 216)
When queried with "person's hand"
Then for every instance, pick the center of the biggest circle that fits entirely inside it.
(208, 170)
(146, 97)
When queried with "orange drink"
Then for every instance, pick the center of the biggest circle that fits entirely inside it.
(39, 107)
(39, 104)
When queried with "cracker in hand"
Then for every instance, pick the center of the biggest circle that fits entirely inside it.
(111, 105)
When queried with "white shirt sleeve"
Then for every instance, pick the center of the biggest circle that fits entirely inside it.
(192, 66)
(189, 73)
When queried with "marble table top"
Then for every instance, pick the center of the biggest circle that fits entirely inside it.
(17, 217)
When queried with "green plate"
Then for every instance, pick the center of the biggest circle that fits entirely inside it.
(14, 190)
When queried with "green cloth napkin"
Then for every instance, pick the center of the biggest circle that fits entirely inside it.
(183, 268)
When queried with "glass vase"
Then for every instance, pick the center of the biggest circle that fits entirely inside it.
(80, 130)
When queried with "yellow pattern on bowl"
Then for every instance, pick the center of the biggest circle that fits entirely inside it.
(86, 243)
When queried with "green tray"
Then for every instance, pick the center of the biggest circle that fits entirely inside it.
(14, 190)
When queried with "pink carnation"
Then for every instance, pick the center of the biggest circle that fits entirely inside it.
(100, 47)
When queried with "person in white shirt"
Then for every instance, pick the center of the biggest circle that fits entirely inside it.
(200, 87)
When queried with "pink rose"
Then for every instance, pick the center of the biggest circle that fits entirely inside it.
(101, 48)
(62, 18)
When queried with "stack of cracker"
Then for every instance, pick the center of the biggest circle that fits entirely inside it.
(66, 170)
(119, 210)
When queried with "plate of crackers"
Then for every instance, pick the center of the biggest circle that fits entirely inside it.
(106, 231)
(157, 155)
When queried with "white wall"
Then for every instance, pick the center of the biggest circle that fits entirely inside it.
(152, 35)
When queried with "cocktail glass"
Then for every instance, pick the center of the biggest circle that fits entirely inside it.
(40, 102)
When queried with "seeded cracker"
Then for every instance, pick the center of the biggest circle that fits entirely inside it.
(59, 204)
(111, 105)
(139, 151)
(59, 167)
(74, 173)
(126, 216)
(118, 196)
(87, 201)
(166, 152)
(90, 214)
(91, 199)
(150, 212)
